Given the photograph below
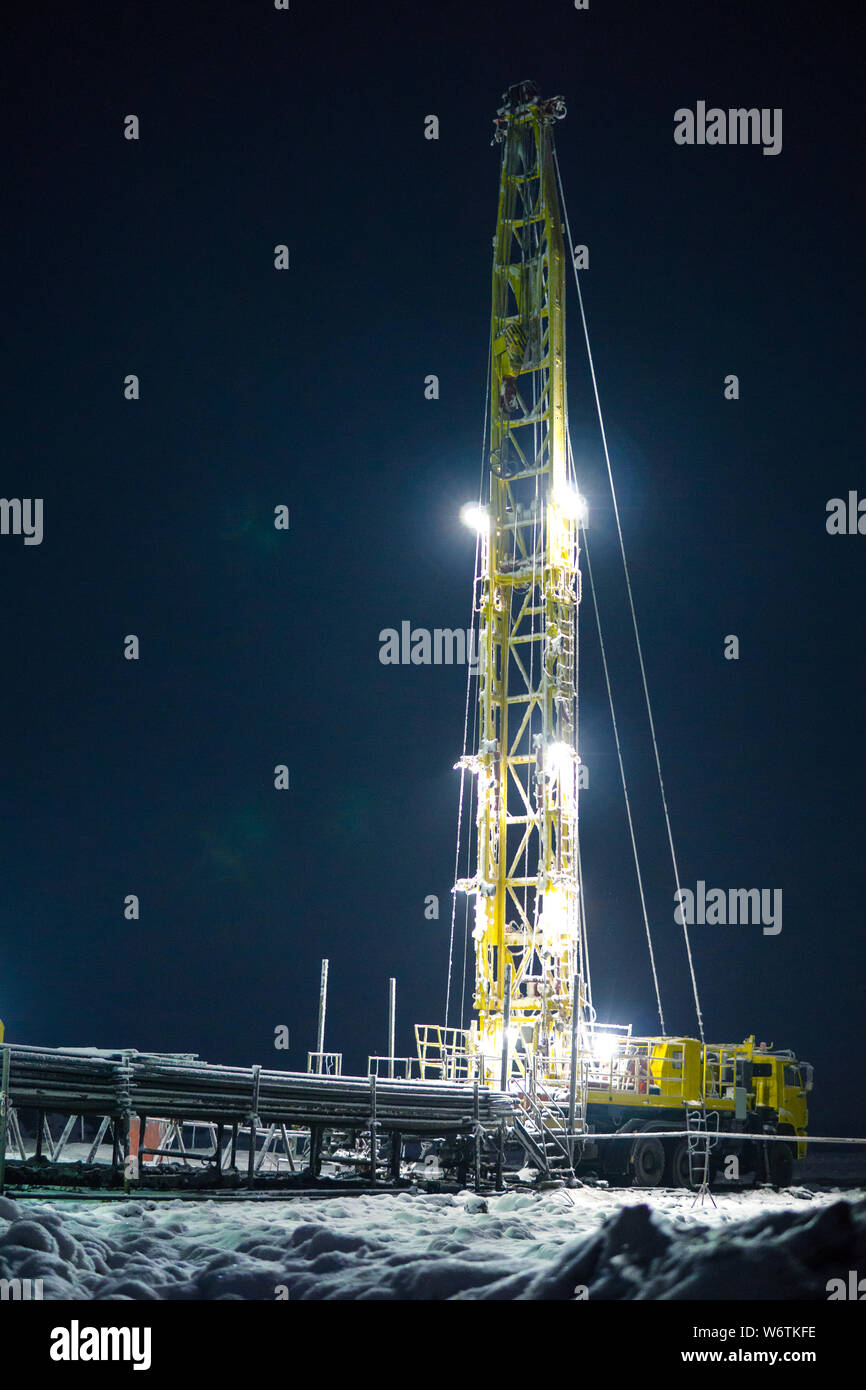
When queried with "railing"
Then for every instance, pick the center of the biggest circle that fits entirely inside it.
(640, 1067)
(442, 1052)
(720, 1073)
(398, 1068)
(325, 1063)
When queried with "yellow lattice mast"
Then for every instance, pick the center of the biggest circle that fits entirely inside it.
(525, 884)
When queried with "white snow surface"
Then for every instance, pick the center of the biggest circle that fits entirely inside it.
(619, 1244)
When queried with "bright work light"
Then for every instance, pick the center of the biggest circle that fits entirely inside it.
(475, 517)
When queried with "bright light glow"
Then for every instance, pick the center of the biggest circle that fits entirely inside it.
(604, 1046)
(557, 920)
(571, 504)
(559, 758)
(475, 517)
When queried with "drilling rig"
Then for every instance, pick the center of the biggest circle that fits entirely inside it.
(531, 993)
(525, 891)
(534, 1030)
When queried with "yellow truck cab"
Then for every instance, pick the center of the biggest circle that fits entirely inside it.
(779, 1087)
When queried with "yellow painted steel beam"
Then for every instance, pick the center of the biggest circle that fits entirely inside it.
(525, 887)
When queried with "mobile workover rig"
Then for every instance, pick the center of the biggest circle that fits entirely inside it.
(535, 1085)
(587, 1095)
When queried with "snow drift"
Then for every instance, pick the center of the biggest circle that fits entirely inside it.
(523, 1245)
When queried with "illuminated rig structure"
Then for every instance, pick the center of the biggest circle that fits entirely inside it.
(531, 997)
(534, 1032)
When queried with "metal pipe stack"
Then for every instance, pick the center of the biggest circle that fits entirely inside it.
(90, 1082)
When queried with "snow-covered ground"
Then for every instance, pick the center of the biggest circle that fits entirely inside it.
(616, 1244)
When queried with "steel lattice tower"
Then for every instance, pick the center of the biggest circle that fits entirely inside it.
(525, 886)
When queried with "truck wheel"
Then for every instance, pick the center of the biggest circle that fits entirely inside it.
(677, 1172)
(647, 1162)
(781, 1165)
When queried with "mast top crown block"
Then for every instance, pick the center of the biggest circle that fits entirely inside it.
(521, 94)
(520, 99)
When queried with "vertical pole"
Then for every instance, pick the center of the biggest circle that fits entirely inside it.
(506, 1022)
(251, 1152)
(287, 1145)
(500, 1164)
(373, 1152)
(323, 1002)
(254, 1124)
(392, 1024)
(572, 1080)
(4, 1114)
(315, 1155)
(126, 1148)
(477, 1126)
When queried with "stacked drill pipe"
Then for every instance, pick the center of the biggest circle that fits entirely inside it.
(182, 1087)
(58, 1079)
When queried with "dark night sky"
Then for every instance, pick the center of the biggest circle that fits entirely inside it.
(156, 777)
